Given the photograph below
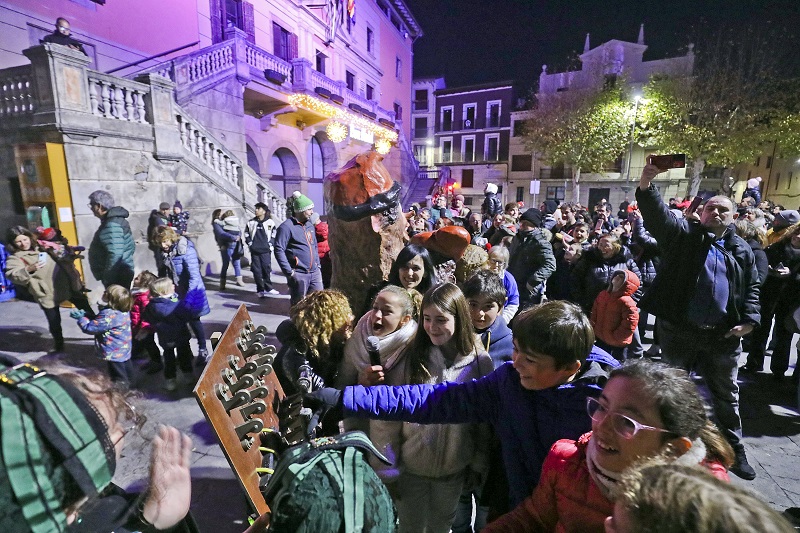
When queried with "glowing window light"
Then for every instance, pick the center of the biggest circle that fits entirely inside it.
(337, 132)
(382, 146)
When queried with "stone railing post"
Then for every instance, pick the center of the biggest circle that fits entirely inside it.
(61, 82)
(301, 75)
(239, 53)
(160, 108)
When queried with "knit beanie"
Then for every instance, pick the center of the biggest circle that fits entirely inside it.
(301, 202)
(532, 215)
(178, 204)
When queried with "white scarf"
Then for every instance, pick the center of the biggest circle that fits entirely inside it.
(390, 347)
(607, 481)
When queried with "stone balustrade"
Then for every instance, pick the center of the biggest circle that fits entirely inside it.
(262, 60)
(351, 97)
(200, 143)
(117, 98)
(16, 92)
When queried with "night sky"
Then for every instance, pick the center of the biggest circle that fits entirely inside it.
(473, 41)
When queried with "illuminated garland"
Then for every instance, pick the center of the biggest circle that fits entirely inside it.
(331, 111)
(337, 132)
(382, 146)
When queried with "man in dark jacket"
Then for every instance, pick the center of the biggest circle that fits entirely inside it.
(705, 297)
(112, 248)
(63, 36)
(532, 260)
(158, 217)
(296, 250)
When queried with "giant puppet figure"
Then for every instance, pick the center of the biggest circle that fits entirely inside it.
(367, 226)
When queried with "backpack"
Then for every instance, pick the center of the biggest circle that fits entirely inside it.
(327, 486)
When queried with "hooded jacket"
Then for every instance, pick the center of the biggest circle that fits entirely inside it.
(170, 319)
(112, 248)
(497, 340)
(112, 334)
(48, 285)
(182, 266)
(527, 422)
(296, 247)
(614, 313)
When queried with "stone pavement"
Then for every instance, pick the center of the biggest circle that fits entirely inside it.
(769, 411)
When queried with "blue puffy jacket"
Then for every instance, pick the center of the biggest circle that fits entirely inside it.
(183, 266)
(527, 422)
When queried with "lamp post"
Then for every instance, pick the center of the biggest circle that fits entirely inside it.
(627, 187)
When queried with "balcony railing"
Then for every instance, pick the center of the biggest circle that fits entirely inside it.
(420, 105)
(464, 157)
(421, 133)
(479, 123)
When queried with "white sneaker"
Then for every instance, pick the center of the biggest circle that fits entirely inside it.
(271, 291)
(262, 294)
(171, 384)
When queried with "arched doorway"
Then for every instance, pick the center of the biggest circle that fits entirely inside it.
(282, 165)
(252, 159)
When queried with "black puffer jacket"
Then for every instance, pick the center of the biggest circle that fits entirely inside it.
(644, 249)
(592, 274)
(532, 260)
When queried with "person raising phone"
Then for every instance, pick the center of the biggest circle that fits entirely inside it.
(705, 297)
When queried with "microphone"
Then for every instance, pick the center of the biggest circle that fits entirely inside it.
(372, 350)
(304, 381)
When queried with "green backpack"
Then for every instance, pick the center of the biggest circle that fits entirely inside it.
(327, 486)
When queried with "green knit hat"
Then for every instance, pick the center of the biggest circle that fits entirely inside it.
(301, 202)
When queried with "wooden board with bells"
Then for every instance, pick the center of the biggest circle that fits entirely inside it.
(239, 395)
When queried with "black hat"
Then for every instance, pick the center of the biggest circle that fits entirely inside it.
(532, 215)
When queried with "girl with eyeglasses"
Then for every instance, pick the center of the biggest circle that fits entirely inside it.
(646, 409)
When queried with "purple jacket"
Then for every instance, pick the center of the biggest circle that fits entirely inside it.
(527, 422)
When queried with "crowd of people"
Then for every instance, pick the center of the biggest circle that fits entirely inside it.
(500, 366)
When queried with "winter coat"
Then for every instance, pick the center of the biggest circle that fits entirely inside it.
(783, 290)
(259, 243)
(49, 285)
(293, 353)
(684, 247)
(512, 296)
(567, 498)
(112, 248)
(762, 262)
(225, 238)
(498, 341)
(491, 205)
(182, 265)
(179, 221)
(614, 314)
(170, 319)
(527, 422)
(141, 297)
(644, 249)
(296, 247)
(592, 274)
(156, 219)
(112, 334)
(532, 260)
(559, 285)
(324, 251)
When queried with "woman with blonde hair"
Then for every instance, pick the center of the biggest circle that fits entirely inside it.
(179, 261)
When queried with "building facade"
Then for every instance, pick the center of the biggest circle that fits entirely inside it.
(614, 61)
(265, 98)
(780, 177)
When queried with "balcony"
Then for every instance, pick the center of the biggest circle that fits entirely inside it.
(421, 133)
(464, 157)
(479, 123)
(420, 105)
(272, 85)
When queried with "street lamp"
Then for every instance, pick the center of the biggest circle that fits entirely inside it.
(637, 98)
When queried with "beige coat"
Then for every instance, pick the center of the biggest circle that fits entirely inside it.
(49, 285)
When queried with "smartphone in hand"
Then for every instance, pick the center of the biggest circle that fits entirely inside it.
(42, 258)
(666, 162)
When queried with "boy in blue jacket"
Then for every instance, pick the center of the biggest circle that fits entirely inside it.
(486, 297)
(537, 399)
(170, 318)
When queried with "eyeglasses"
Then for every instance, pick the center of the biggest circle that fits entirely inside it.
(624, 426)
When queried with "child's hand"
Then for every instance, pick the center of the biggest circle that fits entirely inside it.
(372, 375)
(77, 313)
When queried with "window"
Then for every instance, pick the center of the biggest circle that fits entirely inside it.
(519, 128)
(226, 14)
(521, 163)
(447, 118)
(468, 116)
(520, 193)
(421, 100)
(468, 148)
(370, 41)
(321, 62)
(398, 69)
(758, 160)
(447, 150)
(233, 14)
(421, 154)
(777, 180)
(555, 193)
(398, 111)
(493, 108)
(420, 127)
(370, 92)
(467, 178)
(350, 79)
(492, 148)
(284, 44)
